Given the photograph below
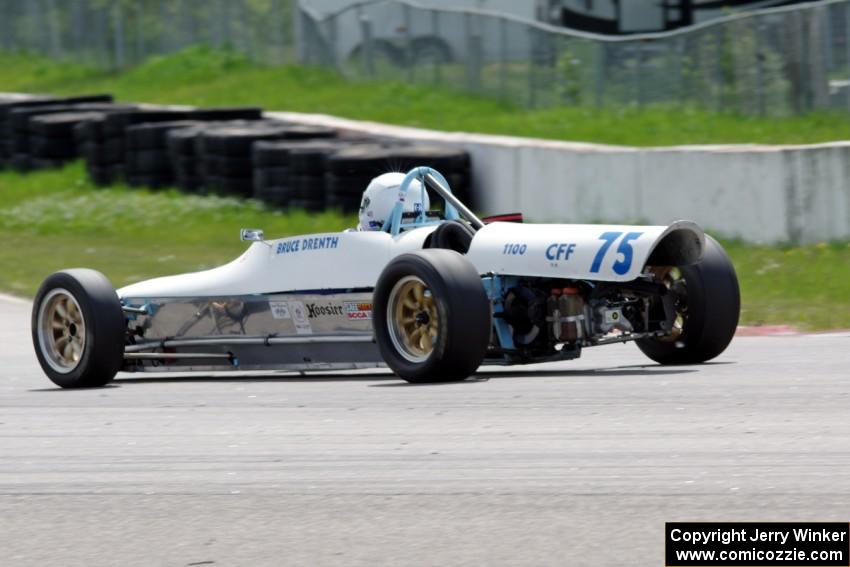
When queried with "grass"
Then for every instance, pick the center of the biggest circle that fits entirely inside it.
(57, 219)
(202, 76)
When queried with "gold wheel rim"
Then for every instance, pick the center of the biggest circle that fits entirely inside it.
(62, 331)
(413, 319)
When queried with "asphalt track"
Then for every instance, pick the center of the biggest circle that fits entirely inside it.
(565, 464)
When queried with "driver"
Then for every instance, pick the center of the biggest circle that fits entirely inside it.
(382, 194)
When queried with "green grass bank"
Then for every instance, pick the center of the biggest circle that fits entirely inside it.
(201, 76)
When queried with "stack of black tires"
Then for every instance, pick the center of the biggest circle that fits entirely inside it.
(111, 155)
(232, 151)
(54, 139)
(225, 155)
(147, 161)
(7, 103)
(104, 155)
(184, 156)
(18, 126)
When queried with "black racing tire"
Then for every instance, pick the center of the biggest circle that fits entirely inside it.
(47, 163)
(308, 132)
(97, 352)
(241, 186)
(59, 125)
(61, 148)
(118, 121)
(276, 197)
(236, 141)
(154, 180)
(462, 311)
(246, 113)
(188, 183)
(713, 308)
(105, 152)
(452, 235)
(148, 161)
(181, 142)
(153, 136)
(103, 176)
(228, 166)
(20, 162)
(272, 176)
(311, 159)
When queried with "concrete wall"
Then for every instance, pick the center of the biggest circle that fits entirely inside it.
(757, 193)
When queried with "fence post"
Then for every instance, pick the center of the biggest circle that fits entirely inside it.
(141, 45)
(761, 95)
(118, 37)
(5, 26)
(52, 29)
(532, 82)
(473, 57)
(816, 62)
(408, 42)
(435, 31)
(299, 32)
(278, 32)
(503, 58)
(847, 49)
(367, 53)
(332, 40)
(638, 50)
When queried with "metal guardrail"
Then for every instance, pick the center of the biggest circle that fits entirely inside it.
(777, 61)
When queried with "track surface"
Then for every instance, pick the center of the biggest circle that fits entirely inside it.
(566, 464)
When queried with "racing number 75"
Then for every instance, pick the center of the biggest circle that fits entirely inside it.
(621, 267)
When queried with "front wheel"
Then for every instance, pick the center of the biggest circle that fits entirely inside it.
(431, 316)
(707, 303)
(78, 329)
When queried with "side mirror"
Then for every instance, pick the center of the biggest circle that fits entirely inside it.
(251, 235)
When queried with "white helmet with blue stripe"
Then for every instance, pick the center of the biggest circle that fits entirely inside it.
(381, 196)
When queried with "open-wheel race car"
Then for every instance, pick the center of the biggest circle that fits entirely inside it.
(432, 295)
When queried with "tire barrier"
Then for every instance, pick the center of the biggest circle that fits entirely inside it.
(147, 162)
(11, 103)
(19, 125)
(230, 151)
(225, 154)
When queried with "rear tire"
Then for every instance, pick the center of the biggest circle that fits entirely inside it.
(431, 317)
(78, 329)
(713, 301)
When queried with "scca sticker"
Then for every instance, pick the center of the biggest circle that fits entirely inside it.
(358, 310)
(280, 309)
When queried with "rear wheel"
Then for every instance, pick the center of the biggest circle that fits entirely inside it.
(707, 304)
(78, 329)
(431, 317)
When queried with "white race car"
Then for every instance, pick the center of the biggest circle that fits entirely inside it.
(430, 295)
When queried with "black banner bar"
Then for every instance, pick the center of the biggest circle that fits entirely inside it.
(757, 544)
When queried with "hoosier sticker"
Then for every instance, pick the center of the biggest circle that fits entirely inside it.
(357, 309)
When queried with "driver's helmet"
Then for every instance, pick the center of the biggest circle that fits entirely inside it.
(383, 193)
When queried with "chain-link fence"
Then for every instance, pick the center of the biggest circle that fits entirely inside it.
(118, 33)
(775, 62)
(780, 61)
